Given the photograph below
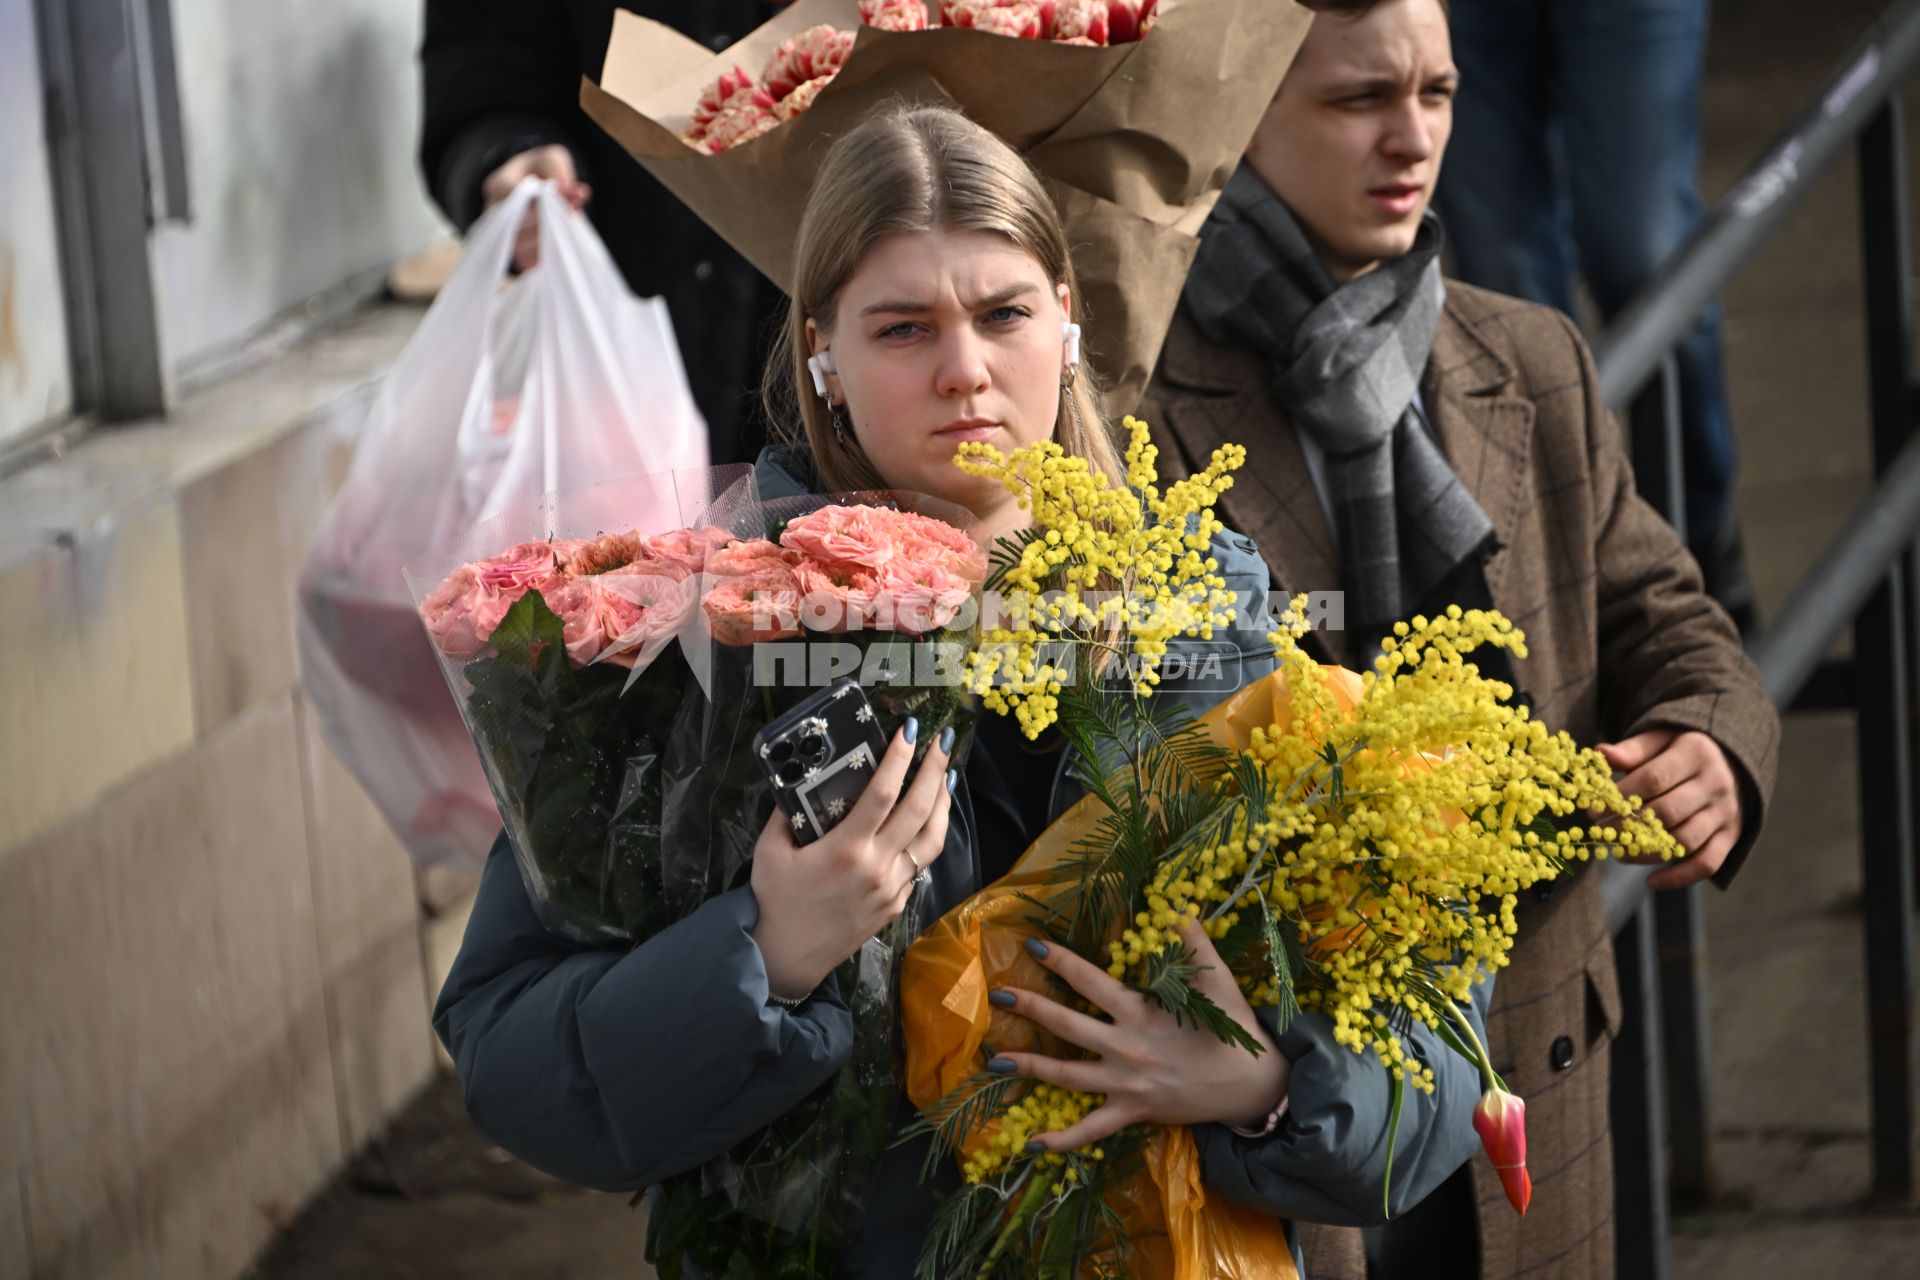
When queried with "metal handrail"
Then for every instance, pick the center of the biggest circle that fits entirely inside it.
(1653, 323)
(1861, 580)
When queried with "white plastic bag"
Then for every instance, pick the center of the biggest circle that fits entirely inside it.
(561, 381)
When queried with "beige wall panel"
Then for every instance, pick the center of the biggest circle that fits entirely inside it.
(83, 1219)
(230, 1153)
(244, 530)
(96, 662)
(64, 1055)
(263, 894)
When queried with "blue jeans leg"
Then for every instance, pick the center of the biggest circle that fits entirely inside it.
(1506, 211)
(1629, 91)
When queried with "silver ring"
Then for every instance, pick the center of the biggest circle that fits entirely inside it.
(919, 872)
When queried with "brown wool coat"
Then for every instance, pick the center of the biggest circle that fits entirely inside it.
(1620, 639)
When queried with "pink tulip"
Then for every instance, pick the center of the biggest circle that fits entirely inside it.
(1501, 1122)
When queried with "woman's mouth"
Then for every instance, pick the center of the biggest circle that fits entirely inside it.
(964, 429)
(1397, 198)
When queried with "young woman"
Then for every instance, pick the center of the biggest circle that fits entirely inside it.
(933, 295)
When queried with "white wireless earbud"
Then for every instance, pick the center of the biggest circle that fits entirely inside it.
(1070, 333)
(820, 366)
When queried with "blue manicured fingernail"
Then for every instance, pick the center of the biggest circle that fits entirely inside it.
(953, 780)
(911, 729)
(1035, 1147)
(1038, 948)
(946, 739)
(1000, 1066)
(1000, 999)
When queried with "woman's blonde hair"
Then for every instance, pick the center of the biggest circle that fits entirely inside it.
(909, 169)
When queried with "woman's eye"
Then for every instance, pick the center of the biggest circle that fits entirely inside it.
(1007, 315)
(902, 330)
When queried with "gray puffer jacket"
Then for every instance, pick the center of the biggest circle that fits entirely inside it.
(619, 1069)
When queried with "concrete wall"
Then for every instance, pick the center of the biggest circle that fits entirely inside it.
(35, 385)
(212, 987)
(301, 123)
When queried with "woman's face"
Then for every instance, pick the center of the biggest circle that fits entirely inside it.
(943, 337)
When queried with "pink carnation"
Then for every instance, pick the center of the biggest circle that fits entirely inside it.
(894, 15)
(857, 535)
(753, 608)
(815, 52)
(1021, 21)
(1075, 20)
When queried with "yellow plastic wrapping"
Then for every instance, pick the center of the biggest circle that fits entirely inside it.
(1178, 1232)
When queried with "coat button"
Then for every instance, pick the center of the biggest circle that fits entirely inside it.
(703, 270)
(1561, 1055)
(1543, 892)
(721, 39)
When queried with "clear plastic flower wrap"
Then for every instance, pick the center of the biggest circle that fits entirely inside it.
(614, 651)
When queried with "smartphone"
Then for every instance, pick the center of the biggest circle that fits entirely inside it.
(820, 756)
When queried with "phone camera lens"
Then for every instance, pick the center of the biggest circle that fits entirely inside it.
(813, 748)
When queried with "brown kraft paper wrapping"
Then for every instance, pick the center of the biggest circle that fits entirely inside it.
(1135, 140)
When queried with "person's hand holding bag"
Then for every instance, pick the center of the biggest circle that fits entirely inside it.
(820, 901)
(553, 162)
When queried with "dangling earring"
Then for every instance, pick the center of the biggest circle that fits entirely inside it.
(839, 425)
(820, 366)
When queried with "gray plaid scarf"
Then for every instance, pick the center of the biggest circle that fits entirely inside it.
(1346, 361)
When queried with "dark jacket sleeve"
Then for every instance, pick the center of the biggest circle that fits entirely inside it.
(618, 1069)
(497, 77)
(1669, 656)
(1327, 1160)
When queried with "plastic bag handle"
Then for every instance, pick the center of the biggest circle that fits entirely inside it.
(489, 243)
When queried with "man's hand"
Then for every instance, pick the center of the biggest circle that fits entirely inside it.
(1688, 783)
(553, 162)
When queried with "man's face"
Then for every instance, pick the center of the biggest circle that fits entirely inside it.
(1353, 142)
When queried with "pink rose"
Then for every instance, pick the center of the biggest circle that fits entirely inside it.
(918, 598)
(688, 548)
(843, 535)
(639, 610)
(574, 601)
(448, 613)
(755, 556)
(609, 551)
(750, 609)
(837, 597)
(517, 567)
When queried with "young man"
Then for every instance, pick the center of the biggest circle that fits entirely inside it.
(1414, 444)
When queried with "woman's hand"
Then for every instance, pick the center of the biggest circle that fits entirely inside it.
(819, 902)
(1150, 1068)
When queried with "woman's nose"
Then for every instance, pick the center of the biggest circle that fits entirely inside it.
(963, 366)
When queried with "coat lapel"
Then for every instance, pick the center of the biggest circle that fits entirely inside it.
(1485, 428)
(1211, 395)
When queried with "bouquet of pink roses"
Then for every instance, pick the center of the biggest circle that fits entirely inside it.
(613, 685)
